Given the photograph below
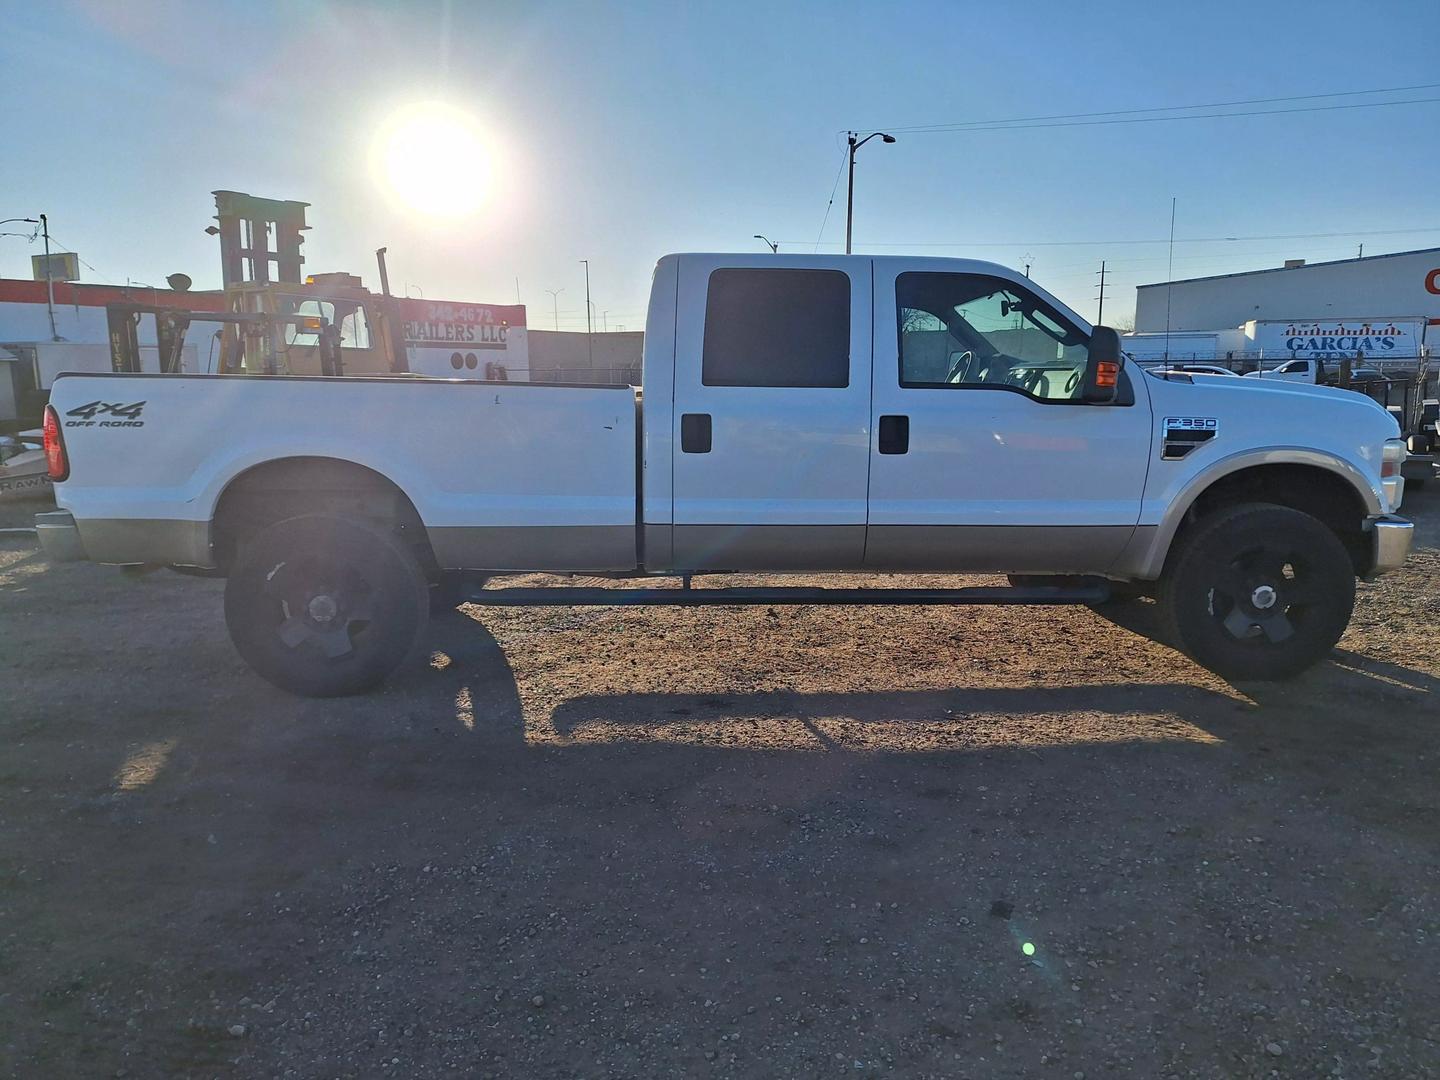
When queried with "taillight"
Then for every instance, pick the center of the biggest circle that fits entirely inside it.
(56, 462)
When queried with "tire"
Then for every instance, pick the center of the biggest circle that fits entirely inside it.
(1257, 592)
(326, 606)
(445, 594)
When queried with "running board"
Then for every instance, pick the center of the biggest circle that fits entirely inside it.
(743, 597)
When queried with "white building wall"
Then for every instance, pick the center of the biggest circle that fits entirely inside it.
(1380, 287)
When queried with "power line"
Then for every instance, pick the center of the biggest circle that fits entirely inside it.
(982, 124)
(1162, 119)
(1161, 240)
(833, 188)
(81, 261)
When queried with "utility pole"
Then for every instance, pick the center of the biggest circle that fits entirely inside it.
(589, 328)
(1169, 279)
(1361, 253)
(555, 301)
(1100, 312)
(49, 281)
(605, 321)
(854, 141)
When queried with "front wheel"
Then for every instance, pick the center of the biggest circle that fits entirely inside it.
(1258, 592)
(324, 606)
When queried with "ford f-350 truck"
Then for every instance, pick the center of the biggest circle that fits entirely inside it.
(799, 414)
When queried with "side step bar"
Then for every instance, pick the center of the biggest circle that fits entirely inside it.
(563, 596)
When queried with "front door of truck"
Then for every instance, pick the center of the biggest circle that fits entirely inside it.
(772, 413)
(984, 457)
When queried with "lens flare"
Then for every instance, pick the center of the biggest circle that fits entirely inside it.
(433, 158)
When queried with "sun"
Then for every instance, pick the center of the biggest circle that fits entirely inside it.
(433, 158)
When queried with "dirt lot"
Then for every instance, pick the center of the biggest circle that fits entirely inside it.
(715, 843)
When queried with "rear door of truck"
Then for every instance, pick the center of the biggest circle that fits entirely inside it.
(771, 413)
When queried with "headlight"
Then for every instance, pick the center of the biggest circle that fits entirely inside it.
(1392, 457)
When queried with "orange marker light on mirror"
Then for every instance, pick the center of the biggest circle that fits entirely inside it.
(1106, 374)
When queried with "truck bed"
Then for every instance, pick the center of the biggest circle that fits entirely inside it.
(502, 475)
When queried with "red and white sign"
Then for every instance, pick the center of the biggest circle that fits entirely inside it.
(468, 341)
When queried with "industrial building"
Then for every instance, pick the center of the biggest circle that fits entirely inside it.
(1384, 309)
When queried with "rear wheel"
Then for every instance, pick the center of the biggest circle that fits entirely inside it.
(1258, 592)
(323, 606)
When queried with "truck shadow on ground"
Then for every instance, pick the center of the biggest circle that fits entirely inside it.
(470, 673)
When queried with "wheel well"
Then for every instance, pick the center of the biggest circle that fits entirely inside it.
(289, 487)
(1316, 491)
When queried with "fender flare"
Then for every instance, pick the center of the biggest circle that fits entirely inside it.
(1144, 557)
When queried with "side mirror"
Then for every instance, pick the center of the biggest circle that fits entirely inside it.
(1102, 367)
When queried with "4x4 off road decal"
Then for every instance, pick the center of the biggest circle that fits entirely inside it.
(1182, 434)
(107, 414)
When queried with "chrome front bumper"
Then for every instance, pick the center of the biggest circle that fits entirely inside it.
(1391, 538)
(59, 537)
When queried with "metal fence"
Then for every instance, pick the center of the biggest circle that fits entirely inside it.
(628, 375)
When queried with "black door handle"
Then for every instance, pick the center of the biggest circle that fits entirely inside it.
(894, 434)
(695, 433)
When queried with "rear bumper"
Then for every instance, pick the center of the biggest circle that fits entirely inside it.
(1391, 538)
(59, 536)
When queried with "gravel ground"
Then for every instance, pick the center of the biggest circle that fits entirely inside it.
(789, 842)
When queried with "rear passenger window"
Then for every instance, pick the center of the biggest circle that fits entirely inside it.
(777, 328)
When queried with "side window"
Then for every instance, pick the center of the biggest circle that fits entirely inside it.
(1292, 367)
(971, 331)
(294, 335)
(354, 329)
(777, 328)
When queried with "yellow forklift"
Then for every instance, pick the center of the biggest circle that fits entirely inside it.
(272, 322)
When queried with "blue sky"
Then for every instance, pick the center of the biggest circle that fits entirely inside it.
(620, 132)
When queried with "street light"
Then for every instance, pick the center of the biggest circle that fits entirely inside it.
(856, 142)
(771, 244)
(555, 303)
(589, 327)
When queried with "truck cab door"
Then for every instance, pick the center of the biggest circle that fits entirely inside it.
(771, 413)
(985, 458)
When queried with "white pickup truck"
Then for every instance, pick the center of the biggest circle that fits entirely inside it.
(799, 414)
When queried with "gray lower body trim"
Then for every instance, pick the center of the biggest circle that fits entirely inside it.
(1142, 558)
(763, 549)
(659, 552)
(124, 540)
(578, 548)
(998, 549)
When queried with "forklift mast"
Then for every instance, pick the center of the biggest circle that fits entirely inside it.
(275, 321)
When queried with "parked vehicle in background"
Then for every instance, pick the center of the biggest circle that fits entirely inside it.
(1312, 370)
(800, 413)
(1193, 369)
(23, 469)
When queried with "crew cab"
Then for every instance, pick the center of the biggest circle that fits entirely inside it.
(799, 414)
